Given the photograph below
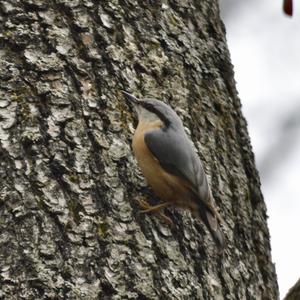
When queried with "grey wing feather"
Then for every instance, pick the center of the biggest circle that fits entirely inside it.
(176, 155)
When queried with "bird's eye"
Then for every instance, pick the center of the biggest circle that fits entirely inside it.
(147, 105)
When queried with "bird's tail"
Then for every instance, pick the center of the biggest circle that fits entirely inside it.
(212, 223)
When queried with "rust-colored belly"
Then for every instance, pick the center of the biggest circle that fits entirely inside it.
(168, 187)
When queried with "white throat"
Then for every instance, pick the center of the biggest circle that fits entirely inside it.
(146, 115)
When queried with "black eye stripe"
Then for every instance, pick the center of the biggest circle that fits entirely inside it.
(153, 109)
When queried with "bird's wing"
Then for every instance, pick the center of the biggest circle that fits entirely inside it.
(177, 156)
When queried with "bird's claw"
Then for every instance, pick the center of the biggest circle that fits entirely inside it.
(155, 209)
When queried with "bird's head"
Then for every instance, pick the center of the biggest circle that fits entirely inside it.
(151, 110)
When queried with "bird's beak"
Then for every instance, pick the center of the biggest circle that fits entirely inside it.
(131, 98)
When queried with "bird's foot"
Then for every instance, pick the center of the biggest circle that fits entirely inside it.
(155, 209)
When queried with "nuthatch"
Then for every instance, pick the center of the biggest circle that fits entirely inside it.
(170, 164)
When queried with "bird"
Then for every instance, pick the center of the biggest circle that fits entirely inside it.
(170, 164)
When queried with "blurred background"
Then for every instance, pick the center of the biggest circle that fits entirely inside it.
(265, 51)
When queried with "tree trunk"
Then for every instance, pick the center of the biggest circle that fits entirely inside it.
(69, 220)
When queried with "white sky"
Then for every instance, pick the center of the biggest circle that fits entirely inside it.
(265, 52)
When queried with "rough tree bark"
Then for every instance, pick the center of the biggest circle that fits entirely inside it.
(70, 225)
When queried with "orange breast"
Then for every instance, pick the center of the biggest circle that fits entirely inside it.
(168, 187)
